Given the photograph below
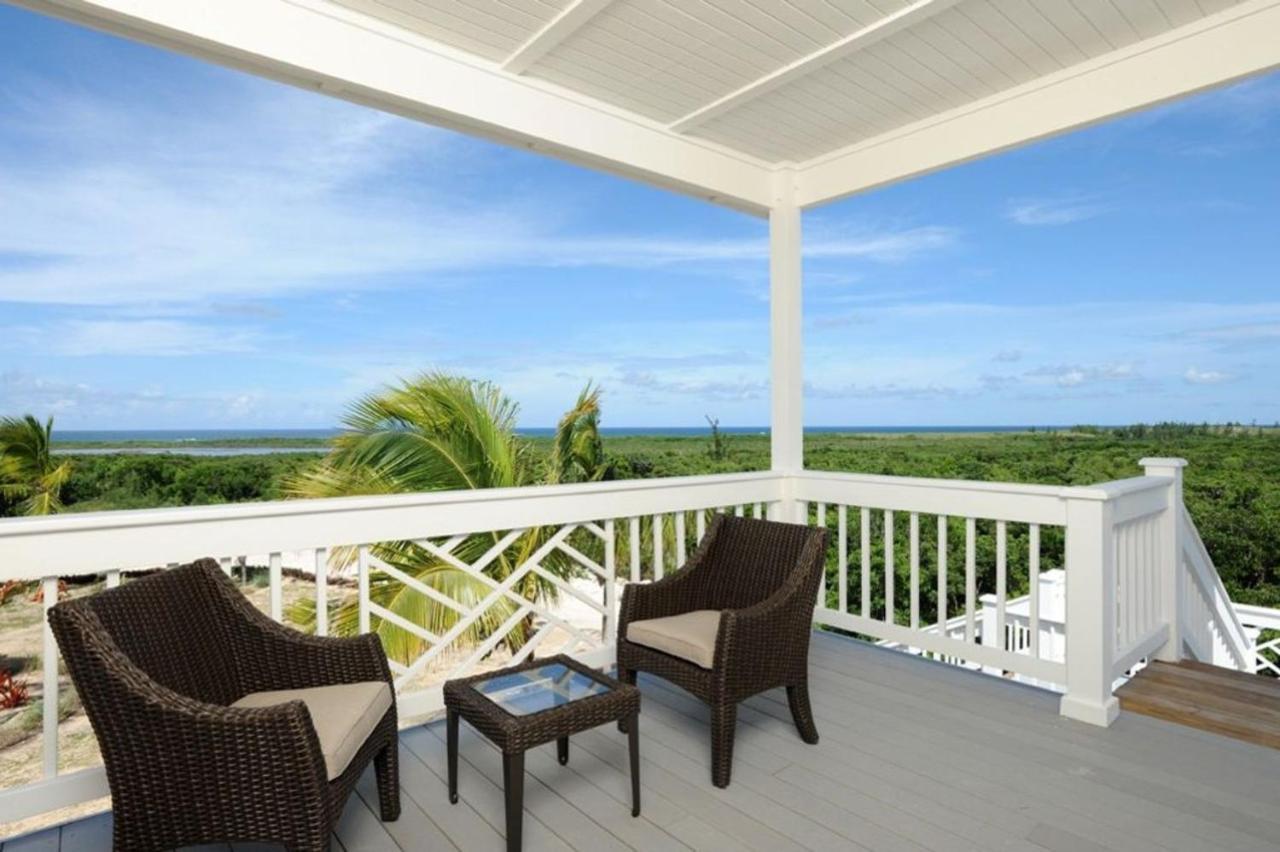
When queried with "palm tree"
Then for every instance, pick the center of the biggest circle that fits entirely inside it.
(30, 477)
(443, 432)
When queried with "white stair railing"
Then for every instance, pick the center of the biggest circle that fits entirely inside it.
(1211, 626)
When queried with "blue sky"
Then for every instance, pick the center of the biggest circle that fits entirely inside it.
(183, 246)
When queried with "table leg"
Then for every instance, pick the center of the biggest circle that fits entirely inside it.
(633, 743)
(451, 724)
(562, 750)
(513, 781)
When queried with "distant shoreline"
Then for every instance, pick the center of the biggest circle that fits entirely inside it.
(226, 442)
(251, 442)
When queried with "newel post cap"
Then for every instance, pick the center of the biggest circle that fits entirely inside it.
(1160, 462)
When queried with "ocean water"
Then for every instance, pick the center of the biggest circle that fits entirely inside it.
(172, 436)
(203, 441)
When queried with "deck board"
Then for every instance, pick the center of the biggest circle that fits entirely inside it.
(1234, 704)
(914, 756)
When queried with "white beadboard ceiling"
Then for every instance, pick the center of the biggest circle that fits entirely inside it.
(787, 80)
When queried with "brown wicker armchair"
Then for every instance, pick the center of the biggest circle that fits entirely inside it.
(735, 621)
(180, 677)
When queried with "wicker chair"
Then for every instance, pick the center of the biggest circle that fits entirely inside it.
(735, 621)
(159, 664)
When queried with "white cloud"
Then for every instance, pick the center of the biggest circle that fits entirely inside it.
(145, 337)
(257, 195)
(1053, 211)
(1073, 376)
(1196, 376)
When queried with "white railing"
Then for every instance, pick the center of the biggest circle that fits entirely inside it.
(894, 540)
(502, 539)
(1212, 629)
(1266, 653)
(866, 513)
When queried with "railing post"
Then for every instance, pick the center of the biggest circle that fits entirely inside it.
(1169, 555)
(1091, 612)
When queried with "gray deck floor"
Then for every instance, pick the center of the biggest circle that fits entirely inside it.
(914, 756)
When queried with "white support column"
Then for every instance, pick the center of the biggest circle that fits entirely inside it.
(1091, 613)
(786, 422)
(1169, 555)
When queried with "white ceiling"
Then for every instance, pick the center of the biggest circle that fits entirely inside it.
(787, 80)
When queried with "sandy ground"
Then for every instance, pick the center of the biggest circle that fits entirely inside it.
(21, 641)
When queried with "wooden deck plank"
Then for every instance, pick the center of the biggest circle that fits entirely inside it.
(886, 798)
(1234, 704)
(46, 840)
(1038, 764)
(87, 835)
(360, 828)
(914, 756)
(460, 824)
(479, 787)
(1133, 745)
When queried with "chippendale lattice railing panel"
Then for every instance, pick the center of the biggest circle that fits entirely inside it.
(450, 581)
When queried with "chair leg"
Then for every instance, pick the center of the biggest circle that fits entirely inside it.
(724, 721)
(802, 713)
(386, 771)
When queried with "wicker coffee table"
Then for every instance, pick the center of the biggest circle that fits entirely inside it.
(534, 703)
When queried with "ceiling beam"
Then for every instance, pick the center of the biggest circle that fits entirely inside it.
(1227, 46)
(322, 46)
(545, 40)
(903, 18)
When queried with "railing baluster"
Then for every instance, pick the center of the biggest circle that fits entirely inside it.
(113, 579)
(225, 563)
(757, 512)
(700, 523)
(889, 567)
(634, 540)
(970, 576)
(362, 583)
(657, 547)
(738, 511)
(49, 700)
(1034, 547)
(680, 542)
(1002, 580)
(322, 591)
(277, 587)
(942, 575)
(610, 584)
(914, 532)
(842, 579)
(822, 578)
(865, 577)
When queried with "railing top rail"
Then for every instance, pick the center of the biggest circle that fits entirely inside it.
(68, 545)
(117, 519)
(1100, 491)
(1258, 616)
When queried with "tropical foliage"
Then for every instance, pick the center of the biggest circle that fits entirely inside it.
(441, 432)
(31, 479)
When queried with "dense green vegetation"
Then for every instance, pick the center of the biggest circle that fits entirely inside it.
(1232, 489)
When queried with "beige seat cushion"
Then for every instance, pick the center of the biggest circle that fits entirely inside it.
(690, 636)
(344, 715)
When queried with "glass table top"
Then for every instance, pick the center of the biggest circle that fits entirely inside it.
(538, 689)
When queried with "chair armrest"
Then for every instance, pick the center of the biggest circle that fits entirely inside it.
(682, 591)
(270, 656)
(672, 595)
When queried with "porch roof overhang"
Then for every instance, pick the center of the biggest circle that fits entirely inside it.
(742, 104)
